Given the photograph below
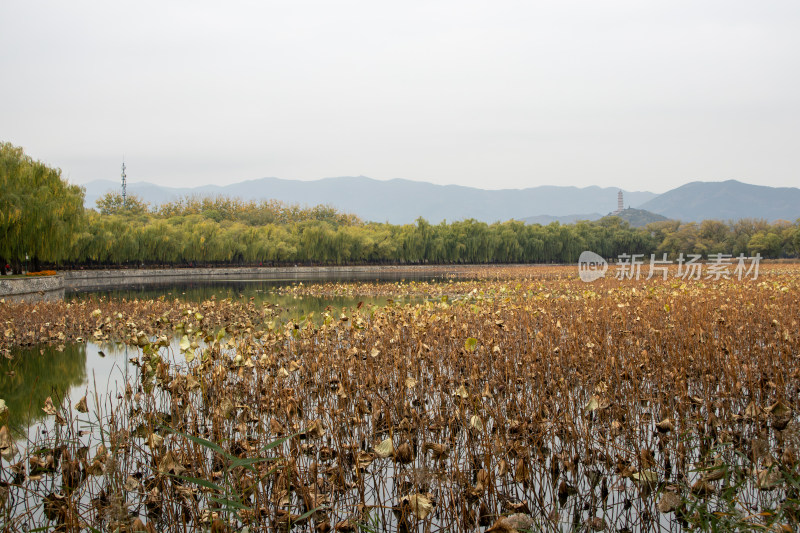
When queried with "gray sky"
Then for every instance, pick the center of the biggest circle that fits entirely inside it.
(645, 94)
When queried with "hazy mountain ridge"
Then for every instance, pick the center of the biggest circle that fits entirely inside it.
(398, 201)
(726, 200)
(402, 201)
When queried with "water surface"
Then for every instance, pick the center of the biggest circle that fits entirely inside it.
(71, 371)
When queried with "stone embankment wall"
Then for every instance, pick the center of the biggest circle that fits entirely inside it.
(84, 279)
(53, 287)
(34, 288)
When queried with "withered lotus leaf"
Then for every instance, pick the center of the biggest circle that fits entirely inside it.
(404, 454)
(49, 408)
(669, 502)
(665, 426)
(779, 409)
(384, 449)
(81, 406)
(168, 465)
(155, 441)
(768, 478)
(131, 484)
(8, 449)
(419, 504)
(438, 451)
(476, 423)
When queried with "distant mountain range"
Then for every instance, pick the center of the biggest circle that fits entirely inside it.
(397, 201)
(402, 201)
(726, 200)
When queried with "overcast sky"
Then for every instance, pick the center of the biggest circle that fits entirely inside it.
(644, 94)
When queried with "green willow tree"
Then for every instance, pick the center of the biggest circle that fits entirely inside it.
(112, 203)
(40, 213)
(220, 235)
(229, 231)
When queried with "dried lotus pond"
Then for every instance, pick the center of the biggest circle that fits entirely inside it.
(526, 400)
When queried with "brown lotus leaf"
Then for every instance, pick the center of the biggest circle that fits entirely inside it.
(768, 478)
(779, 409)
(95, 468)
(169, 465)
(421, 505)
(49, 408)
(669, 502)
(522, 471)
(8, 448)
(438, 451)
(384, 449)
(596, 524)
(702, 488)
(81, 406)
(155, 441)
(131, 484)
(404, 454)
(665, 426)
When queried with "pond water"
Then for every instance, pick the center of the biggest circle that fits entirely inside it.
(72, 371)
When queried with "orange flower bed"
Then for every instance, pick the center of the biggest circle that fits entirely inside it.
(42, 273)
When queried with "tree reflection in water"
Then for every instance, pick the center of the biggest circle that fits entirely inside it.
(36, 373)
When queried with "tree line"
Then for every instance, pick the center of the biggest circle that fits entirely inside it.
(322, 236)
(42, 216)
(40, 213)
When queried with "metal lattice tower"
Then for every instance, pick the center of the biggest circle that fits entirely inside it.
(124, 185)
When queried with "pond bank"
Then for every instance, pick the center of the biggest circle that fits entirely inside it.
(33, 288)
(53, 287)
